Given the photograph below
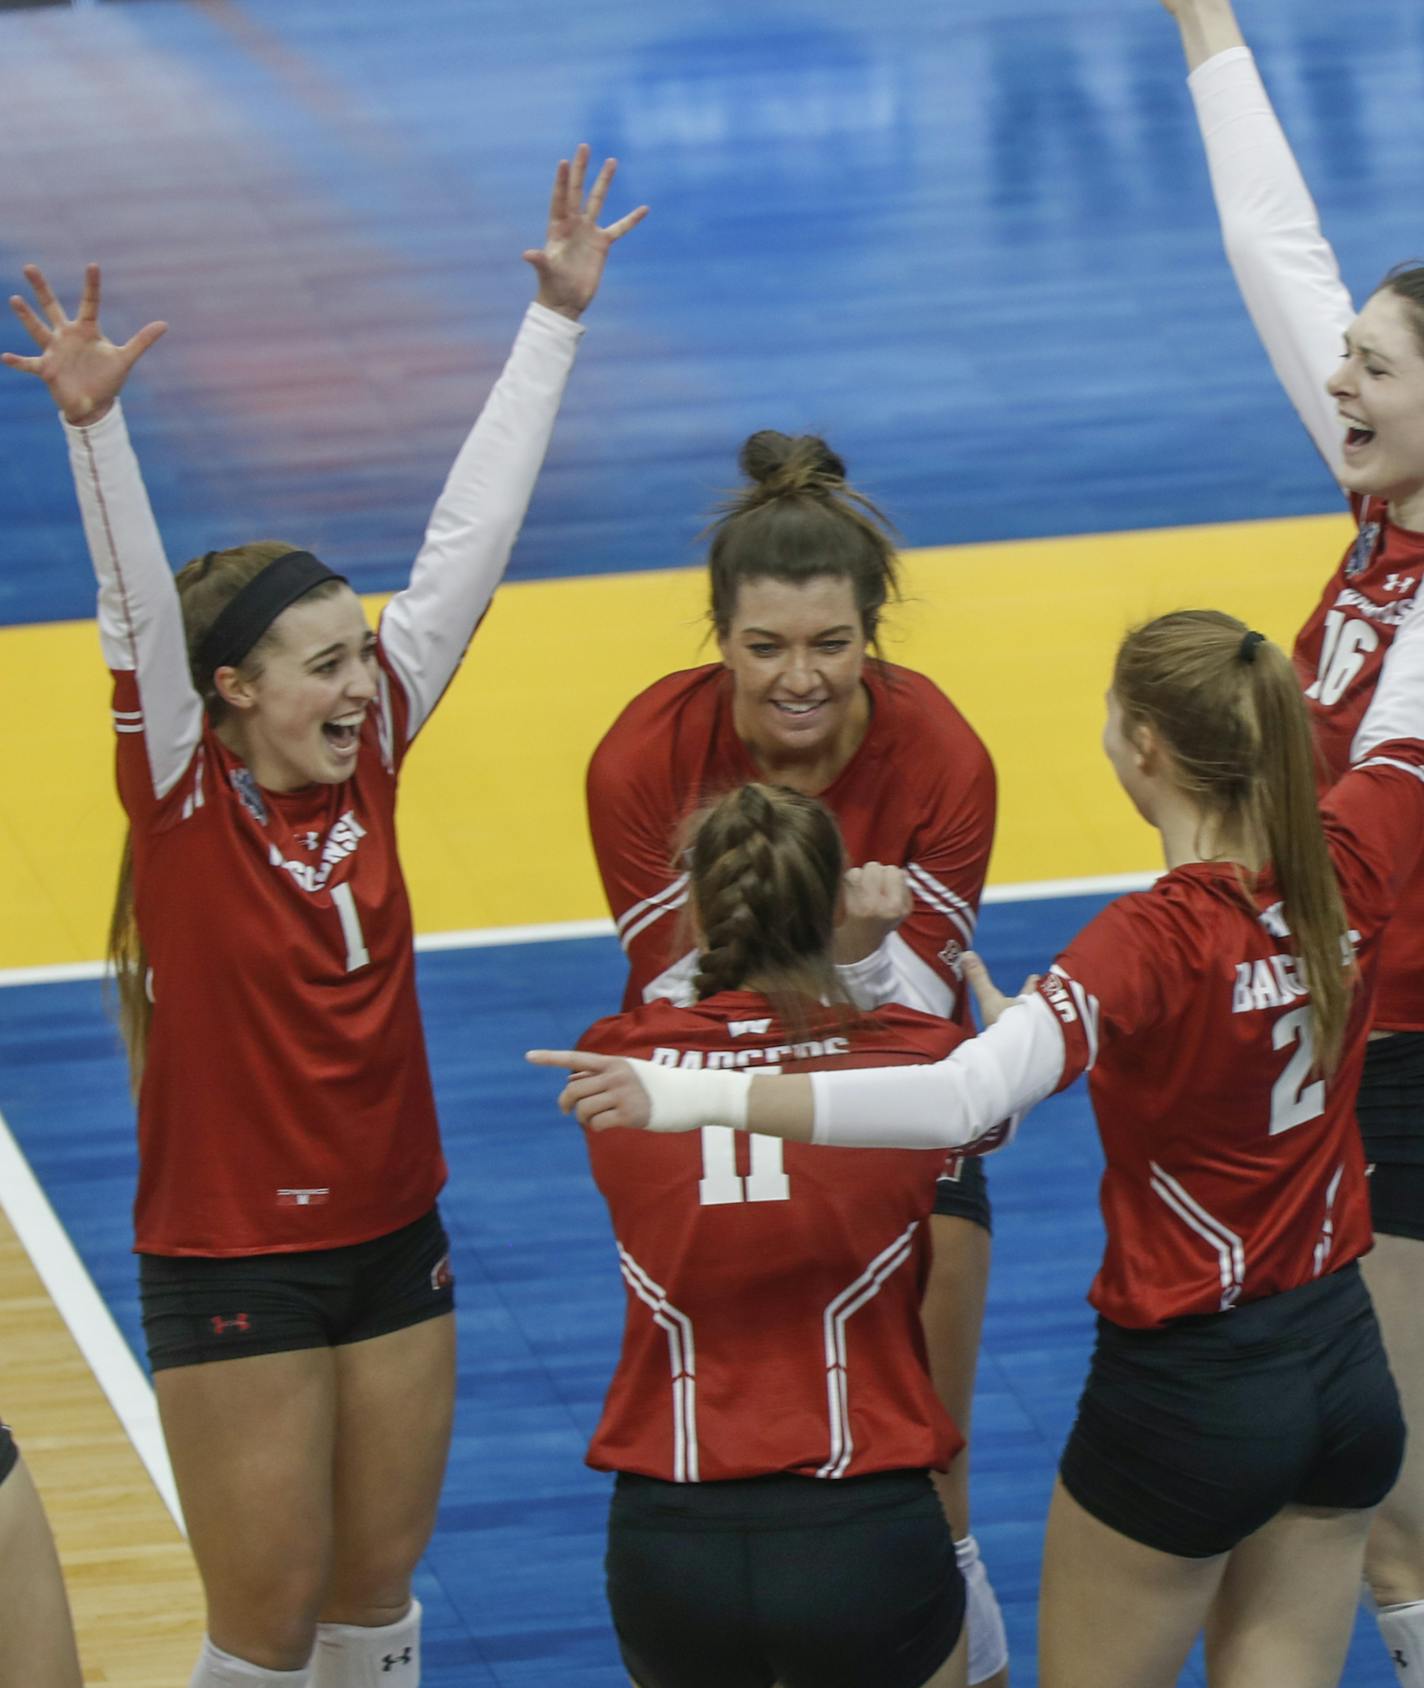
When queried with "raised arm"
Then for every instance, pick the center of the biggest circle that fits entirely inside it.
(426, 628)
(1283, 265)
(140, 623)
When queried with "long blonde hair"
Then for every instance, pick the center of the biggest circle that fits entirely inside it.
(1228, 705)
(205, 587)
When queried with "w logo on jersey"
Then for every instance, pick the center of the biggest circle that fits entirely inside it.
(1362, 552)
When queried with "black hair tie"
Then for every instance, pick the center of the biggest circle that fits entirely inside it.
(1247, 652)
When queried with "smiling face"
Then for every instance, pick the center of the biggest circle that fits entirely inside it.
(796, 651)
(296, 720)
(1379, 392)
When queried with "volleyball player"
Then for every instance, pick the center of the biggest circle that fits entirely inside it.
(296, 1286)
(1357, 382)
(36, 1635)
(772, 1418)
(1239, 1423)
(800, 569)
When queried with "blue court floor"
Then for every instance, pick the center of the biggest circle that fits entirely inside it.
(512, 1583)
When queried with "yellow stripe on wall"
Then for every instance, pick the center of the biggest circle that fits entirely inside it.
(1021, 635)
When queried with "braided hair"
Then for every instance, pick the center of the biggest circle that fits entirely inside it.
(766, 866)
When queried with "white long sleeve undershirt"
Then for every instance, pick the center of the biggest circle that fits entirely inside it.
(890, 973)
(426, 627)
(1004, 1071)
(1284, 266)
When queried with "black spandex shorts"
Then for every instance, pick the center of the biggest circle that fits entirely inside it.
(1390, 1100)
(1397, 1199)
(963, 1192)
(796, 1581)
(9, 1453)
(197, 1308)
(1390, 1105)
(1190, 1437)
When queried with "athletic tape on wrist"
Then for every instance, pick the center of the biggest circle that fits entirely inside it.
(684, 1101)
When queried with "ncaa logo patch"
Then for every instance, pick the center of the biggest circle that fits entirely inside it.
(951, 955)
(249, 794)
(1362, 552)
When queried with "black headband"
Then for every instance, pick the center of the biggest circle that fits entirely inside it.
(1247, 652)
(244, 619)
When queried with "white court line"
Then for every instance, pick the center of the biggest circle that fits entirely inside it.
(72, 1289)
(490, 937)
(82, 1307)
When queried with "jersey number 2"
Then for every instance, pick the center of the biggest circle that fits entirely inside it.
(721, 1183)
(1293, 1101)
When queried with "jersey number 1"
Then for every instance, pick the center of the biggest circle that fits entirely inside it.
(357, 955)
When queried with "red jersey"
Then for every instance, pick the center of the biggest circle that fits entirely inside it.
(773, 1319)
(918, 793)
(286, 1100)
(1233, 1170)
(288, 1037)
(1338, 654)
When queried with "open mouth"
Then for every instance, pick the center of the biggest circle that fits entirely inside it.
(1357, 436)
(342, 735)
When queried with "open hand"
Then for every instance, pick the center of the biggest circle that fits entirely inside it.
(603, 1092)
(83, 371)
(990, 1000)
(570, 263)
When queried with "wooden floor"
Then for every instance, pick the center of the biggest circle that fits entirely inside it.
(137, 1605)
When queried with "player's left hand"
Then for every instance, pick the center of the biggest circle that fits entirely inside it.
(877, 900)
(990, 1000)
(570, 263)
(603, 1092)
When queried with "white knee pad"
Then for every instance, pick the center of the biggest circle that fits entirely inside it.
(216, 1669)
(988, 1644)
(1402, 1630)
(352, 1656)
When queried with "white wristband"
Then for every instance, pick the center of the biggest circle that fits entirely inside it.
(682, 1101)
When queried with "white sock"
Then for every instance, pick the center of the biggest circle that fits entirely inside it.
(988, 1644)
(353, 1656)
(1402, 1630)
(216, 1669)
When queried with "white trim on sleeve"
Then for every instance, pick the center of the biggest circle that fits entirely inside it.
(140, 620)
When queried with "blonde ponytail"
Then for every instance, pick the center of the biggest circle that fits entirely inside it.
(1228, 705)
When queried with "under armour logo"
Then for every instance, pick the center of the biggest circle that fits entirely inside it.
(1399, 1659)
(391, 1660)
(239, 1321)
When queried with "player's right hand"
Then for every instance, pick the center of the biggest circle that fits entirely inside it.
(877, 898)
(84, 371)
(603, 1092)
